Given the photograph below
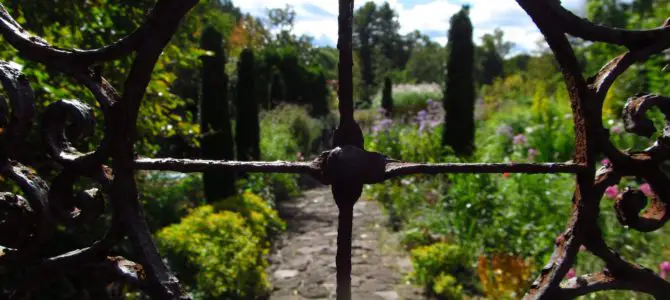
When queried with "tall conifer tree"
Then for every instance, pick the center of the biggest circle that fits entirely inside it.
(217, 140)
(459, 95)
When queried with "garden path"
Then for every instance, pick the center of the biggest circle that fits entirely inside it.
(303, 261)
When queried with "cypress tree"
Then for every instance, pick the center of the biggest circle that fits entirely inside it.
(217, 139)
(387, 97)
(247, 131)
(459, 95)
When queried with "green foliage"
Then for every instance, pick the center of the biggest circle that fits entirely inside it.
(426, 63)
(319, 94)
(216, 254)
(408, 99)
(459, 95)
(442, 268)
(220, 251)
(261, 218)
(364, 19)
(492, 52)
(293, 75)
(167, 197)
(447, 287)
(217, 139)
(288, 132)
(168, 107)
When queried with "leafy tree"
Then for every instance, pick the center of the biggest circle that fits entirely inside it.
(426, 63)
(170, 104)
(217, 140)
(282, 18)
(247, 131)
(493, 51)
(248, 33)
(459, 96)
(387, 38)
(364, 22)
(517, 64)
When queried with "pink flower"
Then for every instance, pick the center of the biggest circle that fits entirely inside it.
(519, 139)
(605, 162)
(665, 268)
(646, 189)
(612, 191)
(616, 129)
(532, 153)
(571, 273)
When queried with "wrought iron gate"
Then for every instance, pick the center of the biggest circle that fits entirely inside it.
(346, 168)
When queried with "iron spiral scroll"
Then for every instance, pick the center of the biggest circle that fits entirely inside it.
(29, 220)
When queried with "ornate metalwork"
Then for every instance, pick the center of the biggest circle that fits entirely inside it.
(29, 220)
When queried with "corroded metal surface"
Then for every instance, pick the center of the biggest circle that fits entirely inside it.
(347, 167)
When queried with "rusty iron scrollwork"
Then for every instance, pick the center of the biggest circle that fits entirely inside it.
(30, 219)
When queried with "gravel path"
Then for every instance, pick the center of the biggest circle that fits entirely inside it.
(303, 261)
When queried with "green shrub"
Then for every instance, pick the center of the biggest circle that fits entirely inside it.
(440, 267)
(287, 131)
(447, 287)
(220, 251)
(302, 133)
(216, 254)
(271, 187)
(410, 99)
(260, 217)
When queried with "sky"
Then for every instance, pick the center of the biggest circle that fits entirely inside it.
(318, 18)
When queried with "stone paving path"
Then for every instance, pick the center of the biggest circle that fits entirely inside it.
(303, 261)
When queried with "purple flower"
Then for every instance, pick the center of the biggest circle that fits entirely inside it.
(532, 153)
(505, 130)
(646, 189)
(612, 191)
(382, 125)
(430, 117)
(665, 268)
(571, 273)
(616, 129)
(605, 162)
(519, 139)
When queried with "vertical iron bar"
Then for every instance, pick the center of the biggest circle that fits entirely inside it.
(343, 258)
(345, 89)
(345, 191)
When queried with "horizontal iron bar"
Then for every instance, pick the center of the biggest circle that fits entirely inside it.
(201, 165)
(394, 169)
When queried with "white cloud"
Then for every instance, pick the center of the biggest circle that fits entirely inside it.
(318, 17)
